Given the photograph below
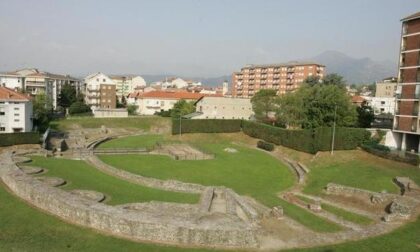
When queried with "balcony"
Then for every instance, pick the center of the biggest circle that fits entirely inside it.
(290, 69)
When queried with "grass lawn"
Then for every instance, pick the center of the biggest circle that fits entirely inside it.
(140, 141)
(134, 122)
(346, 215)
(23, 228)
(83, 176)
(357, 169)
(248, 172)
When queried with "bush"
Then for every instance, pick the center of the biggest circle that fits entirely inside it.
(164, 113)
(307, 140)
(384, 152)
(132, 109)
(206, 126)
(8, 139)
(265, 146)
(79, 108)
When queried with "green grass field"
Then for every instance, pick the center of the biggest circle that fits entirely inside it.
(23, 228)
(346, 215)
(80, 175)
(135, 122)
(357, 169)
(248, 172)
(140, 141)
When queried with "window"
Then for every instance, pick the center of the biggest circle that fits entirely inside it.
(17, 120)
(382, 102)
(16, 114)
(2, 113)
(2, 129)
(97, 80)
(16, 108)
(103, 80)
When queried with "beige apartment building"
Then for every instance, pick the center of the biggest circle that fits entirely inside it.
(281, 77)
(386, 87)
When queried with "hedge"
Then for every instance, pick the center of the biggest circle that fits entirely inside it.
(206, 126)
(8, 139)
(307, 140)
(265, 145)
(405, 157)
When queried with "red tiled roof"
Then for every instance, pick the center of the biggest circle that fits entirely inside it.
(9, 94)
(171, 95)
(357, 99)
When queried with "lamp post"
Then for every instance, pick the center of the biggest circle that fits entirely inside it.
(180, 125)
(333, 135)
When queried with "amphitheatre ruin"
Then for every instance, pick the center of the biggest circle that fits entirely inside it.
(220, 215)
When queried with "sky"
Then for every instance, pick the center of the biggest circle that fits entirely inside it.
(192, 38)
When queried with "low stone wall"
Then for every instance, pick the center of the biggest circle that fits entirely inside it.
(172, 185)
(149, 224)
(372, 197)
(110, 113)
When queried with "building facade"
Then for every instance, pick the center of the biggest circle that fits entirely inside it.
(406, 121)
(381, 105)
(125, 85)
(386, 87)
(34, 81)
(15, 112)
(223, 108)
(157, 101)
(281, 77)
(100, 91)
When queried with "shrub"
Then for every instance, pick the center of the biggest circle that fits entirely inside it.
(384, 152)
(265, 146)
(206, 126)
(8, 139)
(78, 108)
(131, 109)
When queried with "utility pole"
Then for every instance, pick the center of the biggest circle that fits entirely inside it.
(180, 125)
(333, 135)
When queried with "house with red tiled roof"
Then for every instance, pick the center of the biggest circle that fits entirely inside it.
(150, 103)
(15, 111)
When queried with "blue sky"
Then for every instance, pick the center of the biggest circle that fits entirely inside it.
(192, 38)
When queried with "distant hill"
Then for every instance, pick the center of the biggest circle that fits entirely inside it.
(357, 71)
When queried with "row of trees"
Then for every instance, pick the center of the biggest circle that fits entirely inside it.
(315, 104)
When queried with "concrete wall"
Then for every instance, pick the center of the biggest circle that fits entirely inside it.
(110, 113)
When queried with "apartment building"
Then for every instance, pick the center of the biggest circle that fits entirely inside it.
(386, 87)
(15, 111)
(100, 91)
(406, 121)
(125, 85)
(34, 81)
(281, 77)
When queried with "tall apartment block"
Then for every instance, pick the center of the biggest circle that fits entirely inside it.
(406, 121)
(281, 77)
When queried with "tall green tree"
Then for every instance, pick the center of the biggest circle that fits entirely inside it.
(67, 96)
(365, 116)
(181, 108)
(42, 111)
(264, 103)
(290, 112)
(334, 79)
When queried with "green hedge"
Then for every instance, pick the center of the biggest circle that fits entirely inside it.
(310, 140)
(386, 153)
(265, 145)
(8, 139)
(206, 126)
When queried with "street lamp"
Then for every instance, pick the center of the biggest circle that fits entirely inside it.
(333, 135)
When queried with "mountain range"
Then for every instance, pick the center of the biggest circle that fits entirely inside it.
(356, 70)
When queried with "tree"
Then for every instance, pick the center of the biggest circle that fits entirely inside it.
(263, 103)
(334, 79)
(131, 109)
(42, 111)
(290, 111)
(181, 108)
(67, 96)
(365, 116)
(312, 80)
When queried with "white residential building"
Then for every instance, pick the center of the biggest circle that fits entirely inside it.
(223, 108)
(381, 105)
(100, 91)
(34, 82)
(157, 101)
(127, 84)
(15, 111)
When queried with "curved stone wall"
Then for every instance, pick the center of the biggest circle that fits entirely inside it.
(147, 223)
